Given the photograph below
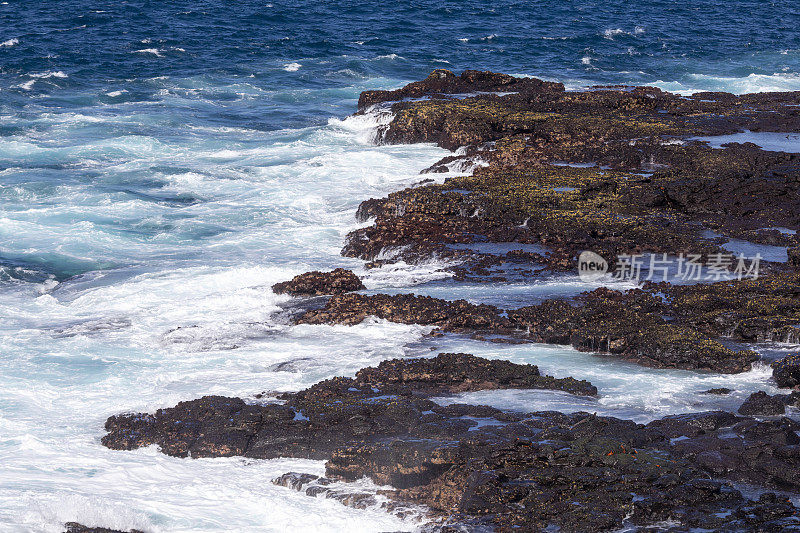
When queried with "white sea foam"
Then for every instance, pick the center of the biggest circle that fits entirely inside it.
(752, 83)
(187, 311)
(28, 85)
(9, 43)
(48, 74)
(155, 51)
(626, 390)
(292, 67)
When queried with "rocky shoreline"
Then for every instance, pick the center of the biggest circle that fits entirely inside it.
(652, 188)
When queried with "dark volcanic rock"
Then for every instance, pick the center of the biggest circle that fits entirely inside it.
(476, 464)
(520, 197)
(653, 190)
(761, 404)
(379, 402)
(450, 373)
(787, 371)
(579, 473)
(74, 527)
(688, 190)
(351, 309)
(443, 81)
(317, 283)
(630, 325)
(721, 391)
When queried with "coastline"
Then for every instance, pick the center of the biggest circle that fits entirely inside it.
(499, 203)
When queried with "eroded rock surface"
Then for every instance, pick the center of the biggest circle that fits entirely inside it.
(787, 371)
(315, 283)
(653, 188)
(474, 465)
(391, 399)
(762, 404)
(630, 325)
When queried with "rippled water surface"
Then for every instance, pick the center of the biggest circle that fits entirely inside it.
(162, 164)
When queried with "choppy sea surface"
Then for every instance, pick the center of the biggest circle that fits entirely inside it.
(162, 164)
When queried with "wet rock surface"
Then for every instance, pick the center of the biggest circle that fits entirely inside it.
(471, 464)
(443, 82)
(391, 399)
(74, 527)
(632, 325)
(652, 188)
(787, 371)
(762, 404)
(315, 283)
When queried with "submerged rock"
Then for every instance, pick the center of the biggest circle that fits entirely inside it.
(720, 391)
(315, 283)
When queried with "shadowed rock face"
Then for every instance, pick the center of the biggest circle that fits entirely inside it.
(316, 283)
(761, 404)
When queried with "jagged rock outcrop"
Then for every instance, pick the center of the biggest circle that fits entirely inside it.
(315, 283)
(786, 371)
(762, 404)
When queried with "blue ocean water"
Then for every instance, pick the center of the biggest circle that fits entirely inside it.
(162, 164)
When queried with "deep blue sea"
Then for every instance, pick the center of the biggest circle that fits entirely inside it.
(162, 164)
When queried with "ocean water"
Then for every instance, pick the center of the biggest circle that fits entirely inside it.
(163, 164)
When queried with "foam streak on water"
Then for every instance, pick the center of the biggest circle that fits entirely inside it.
(142, 277)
